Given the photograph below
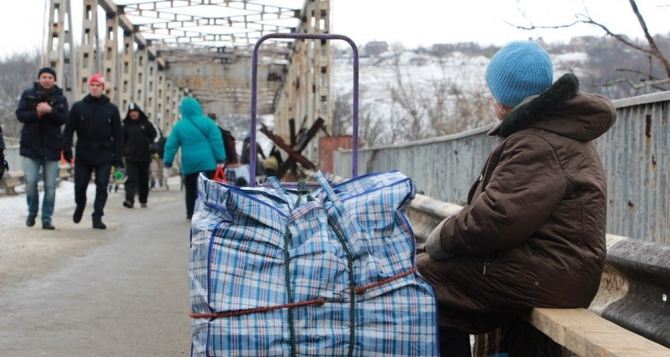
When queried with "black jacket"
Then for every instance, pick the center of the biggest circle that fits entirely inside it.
(42, 138)
(98, 126)
(2, 141)
(137, 136)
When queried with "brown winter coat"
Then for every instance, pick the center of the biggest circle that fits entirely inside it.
(533, 231)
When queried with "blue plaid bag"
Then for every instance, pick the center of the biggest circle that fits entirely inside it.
(331, 273)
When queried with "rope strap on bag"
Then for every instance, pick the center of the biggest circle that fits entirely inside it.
(359, 290)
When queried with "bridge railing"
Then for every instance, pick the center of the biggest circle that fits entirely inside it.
(635, 153)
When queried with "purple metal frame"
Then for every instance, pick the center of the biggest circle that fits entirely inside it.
(254, 95)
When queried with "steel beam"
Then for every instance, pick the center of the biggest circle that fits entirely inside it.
(127, 85)
(306, 93)
(161, 85)
(151, 81)
(59, 53)
(140, 77)
(110, 60)
(88, 48)
(168, 107)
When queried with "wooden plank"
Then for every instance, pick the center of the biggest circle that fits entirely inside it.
(587, 334)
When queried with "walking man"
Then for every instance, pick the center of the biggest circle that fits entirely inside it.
(97, 123)
(138, 134)
(43, 111)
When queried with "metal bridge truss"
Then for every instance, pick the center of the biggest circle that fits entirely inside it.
(173, 48)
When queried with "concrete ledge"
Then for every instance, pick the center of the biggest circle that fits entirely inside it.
(10, 180)
(587, 334)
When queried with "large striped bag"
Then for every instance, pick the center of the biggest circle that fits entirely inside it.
(329, 273)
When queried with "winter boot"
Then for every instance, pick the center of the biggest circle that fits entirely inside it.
(97, 224)
(30, 221)
(78, 212)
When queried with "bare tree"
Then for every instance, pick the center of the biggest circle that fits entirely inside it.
(650, 49)
(438, 106)
(342, 114)
(16, 74)
(405, 94)
(371, 130)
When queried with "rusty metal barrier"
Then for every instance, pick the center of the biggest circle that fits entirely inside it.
(635, 287)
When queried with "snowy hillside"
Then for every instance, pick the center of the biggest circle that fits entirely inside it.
(422, 74)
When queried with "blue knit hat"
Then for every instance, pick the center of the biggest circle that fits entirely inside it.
(519, 70)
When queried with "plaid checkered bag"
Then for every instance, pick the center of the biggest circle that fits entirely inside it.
(330, 273)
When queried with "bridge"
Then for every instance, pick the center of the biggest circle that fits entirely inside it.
(124, 291)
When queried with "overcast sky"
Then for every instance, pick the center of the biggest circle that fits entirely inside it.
(412, 23)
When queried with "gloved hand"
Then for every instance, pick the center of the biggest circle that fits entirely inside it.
(67, 155)
(433, 244)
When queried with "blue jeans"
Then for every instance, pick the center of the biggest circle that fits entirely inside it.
(31, 168)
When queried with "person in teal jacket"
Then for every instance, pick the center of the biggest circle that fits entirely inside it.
(201, 148)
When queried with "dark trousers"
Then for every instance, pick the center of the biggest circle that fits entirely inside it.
(454, 343)
(137, 181)
(191, 188)
(82, 175)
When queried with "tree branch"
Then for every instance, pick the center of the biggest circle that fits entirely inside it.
(641, 84)
(651, 50)
(624, 70)
(650, 39)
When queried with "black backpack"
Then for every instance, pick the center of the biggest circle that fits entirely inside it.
(229, 146)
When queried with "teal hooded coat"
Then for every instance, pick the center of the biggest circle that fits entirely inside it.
(199, 138)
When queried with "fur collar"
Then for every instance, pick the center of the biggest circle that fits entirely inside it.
(564, 89)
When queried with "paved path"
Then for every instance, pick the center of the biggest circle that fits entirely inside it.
(119, 292)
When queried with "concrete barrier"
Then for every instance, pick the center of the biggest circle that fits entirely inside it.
(10, 180)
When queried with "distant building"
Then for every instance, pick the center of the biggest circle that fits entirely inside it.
(375, 48)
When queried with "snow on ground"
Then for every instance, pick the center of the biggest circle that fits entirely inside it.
(15, 208)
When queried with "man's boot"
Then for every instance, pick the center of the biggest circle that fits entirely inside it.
(78, 212)
(97, 223)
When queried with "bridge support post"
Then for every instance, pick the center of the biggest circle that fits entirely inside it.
(88, 50)
(59, 53)
(169, 115)
(139, 95)
(151, 81)
(306, 93)
(161, 94)
(110, 60)
(127, 85)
